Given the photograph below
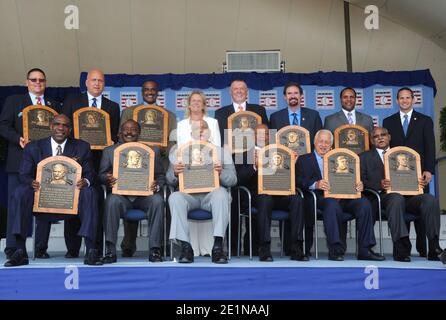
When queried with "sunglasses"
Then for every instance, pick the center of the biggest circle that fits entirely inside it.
(37, 80)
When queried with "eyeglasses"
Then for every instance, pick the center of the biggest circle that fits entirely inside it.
(376, 136)
(37, 80)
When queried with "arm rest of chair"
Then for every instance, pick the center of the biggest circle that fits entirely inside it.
(104, 190)
(300, 192)
(246, 190)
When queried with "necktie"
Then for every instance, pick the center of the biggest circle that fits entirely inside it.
(94, 103)
(405, 124)
(350, 118)
(39, 101)
(295, 121)
(59, 150)
(383, 153)
(240, 107)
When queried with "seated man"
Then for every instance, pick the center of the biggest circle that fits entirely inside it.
(216, 201)
(116, 205)
(395, 205)
(266, 203)
(309, 175)
(22, 202)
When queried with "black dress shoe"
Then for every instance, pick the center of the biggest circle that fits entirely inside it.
(127, 253)
(265, 254)
(433, 256)
(401, 258)
(109, 258)
(72, 254)
(42, 254)
(218, 256)
(371, 256)
(297, 252)
(187, 253)
(92, 258)
(19, 258)
(443, 257)
(155, 255)
(335, 257)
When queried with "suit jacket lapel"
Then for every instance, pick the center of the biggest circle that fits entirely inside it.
(316, 166)
(397, 123)
(412, 124)
(84, 101)
(47, 151)
(69, 148)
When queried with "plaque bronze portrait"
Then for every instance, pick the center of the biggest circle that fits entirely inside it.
(58, 192)
(276, 167)
(402, 167)
(134, 169)
(36, 122)
(92, 125)
(154, 124)
(199, 174)
(352, 137)
(241, 127)
(341, 169)
(296, 138)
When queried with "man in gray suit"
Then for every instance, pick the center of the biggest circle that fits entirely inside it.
(216, 201)
(348, 114)
(116, 205)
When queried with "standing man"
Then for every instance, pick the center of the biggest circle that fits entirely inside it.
(309, 175)
(149, 93)
(415, 130)
(116, 205)
(11, 128)
(395, 205)
(93, 98)
(310, 119)
(348, 114)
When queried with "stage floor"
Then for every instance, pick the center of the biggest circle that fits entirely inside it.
(240, 279)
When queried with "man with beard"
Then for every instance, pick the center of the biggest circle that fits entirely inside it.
(116, 205)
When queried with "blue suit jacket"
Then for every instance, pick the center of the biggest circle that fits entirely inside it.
(39, 150)
(307, 171)
(309, 119)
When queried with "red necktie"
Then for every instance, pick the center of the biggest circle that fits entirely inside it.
(39, 101)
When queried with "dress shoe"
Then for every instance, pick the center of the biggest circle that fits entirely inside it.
(443, 257)
(434, 250)
(401, 258)
(19, 258)
(297, 252)
(218, 256)
(42, 254)
(109, 258)
(127, 253)
(265, 253)
(155, 255)
(371, 256)
(92, 258)
(10, 251)
(72, 254)
(401, 250)
(335, 257)
(187, 253)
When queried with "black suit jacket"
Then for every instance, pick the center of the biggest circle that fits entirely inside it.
(372, 169)
(39, 150)
(420, 137)
(309, 119)
(307, 171)
(11, 126)
(223, 114)
(78, 101)
(246, 174)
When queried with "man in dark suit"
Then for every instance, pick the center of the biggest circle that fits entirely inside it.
(348, 113)
(310, 119)
(149, 91)
(239, 95)
(23, 199)
(309, 175)
(11, 128)
(95, 84)
(395, 205)
(415, 130)
(247, 176)
(116, 205)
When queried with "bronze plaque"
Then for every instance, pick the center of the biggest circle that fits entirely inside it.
(199, 174)
(58, 193)
(36, 122)
(276, 167)
(93, 125)
(134, 169)
(154, 124)
(341, 169)
(402, 167)
(352, 137)
(296, 138)
(241, 128)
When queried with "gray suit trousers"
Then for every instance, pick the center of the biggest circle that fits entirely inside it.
(181, 203)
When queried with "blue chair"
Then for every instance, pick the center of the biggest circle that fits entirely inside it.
(278, 215)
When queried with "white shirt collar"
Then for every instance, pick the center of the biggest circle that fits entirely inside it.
(34, 98)
(98, 100)
(235, 105)
(409, 115)
(380, 152)
(54, 145)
